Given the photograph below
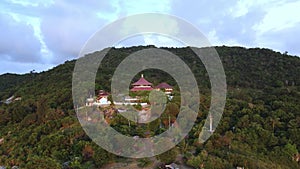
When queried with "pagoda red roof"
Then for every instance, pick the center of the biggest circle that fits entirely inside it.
(135, 88)
(142, 82)
(103, 93)
(163, 86)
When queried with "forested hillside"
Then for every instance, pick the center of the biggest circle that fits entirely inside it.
(260, 127)
(8, 81)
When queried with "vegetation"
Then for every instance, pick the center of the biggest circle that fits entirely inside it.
(260, 127)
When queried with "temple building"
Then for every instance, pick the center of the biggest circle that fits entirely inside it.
(103, 97)
(166, 87)
(141, 85)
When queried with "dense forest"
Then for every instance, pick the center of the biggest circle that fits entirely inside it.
(260, 126)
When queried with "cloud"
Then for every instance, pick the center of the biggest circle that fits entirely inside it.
(150, 39)
(67, 26)
(258, 23)
(130, 7)
(66, 36)
(282, 40)
(280, 17)
(52, 32)
(142, 23)
(49, 33)
(33, 3)
(214, 21)
(22, 67)
(18, 42)
(228, 23)
(240, 29)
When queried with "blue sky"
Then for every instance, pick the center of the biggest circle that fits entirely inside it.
(38, 34)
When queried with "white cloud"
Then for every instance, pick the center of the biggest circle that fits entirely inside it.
(54, 31)
(149, 23)
(279, 17)
(32, 3)
(17, 67)
(65, 36)
(130, 7)
(35, 22)
(18, 42)
(66, 26)
(242, 7)
(282, 40)
(249, 23)
(213, 39)
(162, 41)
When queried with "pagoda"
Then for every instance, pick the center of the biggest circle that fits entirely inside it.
(141, 85)
(168, 89)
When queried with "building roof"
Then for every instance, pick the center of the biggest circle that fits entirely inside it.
(163, 86)
(103, 93)
(136, 88)
(142, 82)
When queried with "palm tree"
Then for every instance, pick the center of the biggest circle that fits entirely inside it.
(275, 122)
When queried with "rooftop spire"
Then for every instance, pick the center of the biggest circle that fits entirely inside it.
(142, 75)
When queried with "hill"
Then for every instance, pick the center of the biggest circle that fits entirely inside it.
(260, 127)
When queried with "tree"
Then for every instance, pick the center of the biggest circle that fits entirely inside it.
(42, 107)
(169, 156)
(290, 150)
(198, 161)
(87, 152)
(275, 122)
(172, 109)
(41, 162)
(144, 162)
(101, 157)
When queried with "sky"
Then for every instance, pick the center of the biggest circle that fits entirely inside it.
(38, 35)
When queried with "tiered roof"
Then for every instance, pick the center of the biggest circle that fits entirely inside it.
(164, 86)
(142, 82)
(141, 85)
(141, 89)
